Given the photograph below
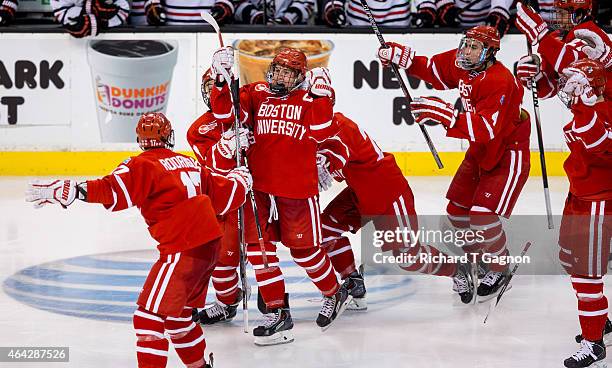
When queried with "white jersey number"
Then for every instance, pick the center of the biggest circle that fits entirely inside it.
(191, 180)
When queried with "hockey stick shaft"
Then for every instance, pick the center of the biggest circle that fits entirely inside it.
(538, 121)
(395, 69)
(507, 282)
(235, 94)
(241, 244)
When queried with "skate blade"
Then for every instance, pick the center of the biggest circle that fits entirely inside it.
(342, 309)
(282, 337)
(358, 304)
(486, 298)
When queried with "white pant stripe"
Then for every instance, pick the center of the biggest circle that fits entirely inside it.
(514, 183)
(159, 276)
(602, 206)
(591, 236)
(313, 221)
(162, 290)
(508, 183)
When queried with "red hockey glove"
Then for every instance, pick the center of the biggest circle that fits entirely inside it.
(530, 23)
(397, 54)
(433, 109)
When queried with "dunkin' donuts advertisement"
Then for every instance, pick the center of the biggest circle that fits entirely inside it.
(130, 78)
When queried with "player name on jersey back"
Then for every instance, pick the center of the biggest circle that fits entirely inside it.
(179, 162)
(284, 122)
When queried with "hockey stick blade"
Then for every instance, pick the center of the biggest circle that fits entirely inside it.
(208, 18)
(505, 285)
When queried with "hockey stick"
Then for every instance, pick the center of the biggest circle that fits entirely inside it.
(536, 111)
(379, 35)
(506, 283)
(208, 18)
(241, 245)
(235, 94)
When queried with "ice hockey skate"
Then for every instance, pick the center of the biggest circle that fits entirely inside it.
(588, 355)
(275, 329)
(219, 312)
(333, 307)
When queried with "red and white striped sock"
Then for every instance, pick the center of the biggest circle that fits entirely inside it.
(225, 282)
(152, 345)
(318, 267)
(187, 338)
(488, 224)
(341, 255)
(458, 215)
(592, 306)
(270, 281)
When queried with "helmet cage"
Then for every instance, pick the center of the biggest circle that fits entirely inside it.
(283, 79)
(468, 45)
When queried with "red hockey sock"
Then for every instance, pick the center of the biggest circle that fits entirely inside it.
(458, 215)
(318, 267)
(225, 282)
(592, 306)
(270, 281)
(187, 338)
(487, 225)
(341, 255)
(152, 345)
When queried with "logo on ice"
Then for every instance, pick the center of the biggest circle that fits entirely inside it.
(131, 77)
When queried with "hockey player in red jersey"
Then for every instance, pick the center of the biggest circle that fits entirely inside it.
(179, 203)
(288, 123)
(376, 191)
(496, 165)
(208, 139)
(576, 37)
(586, 226)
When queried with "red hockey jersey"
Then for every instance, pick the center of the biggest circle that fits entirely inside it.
(178, 201)
(202, 136)
(286, 130)
(491, 100)
(372, 174)
(558, 53)
(589, 138)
